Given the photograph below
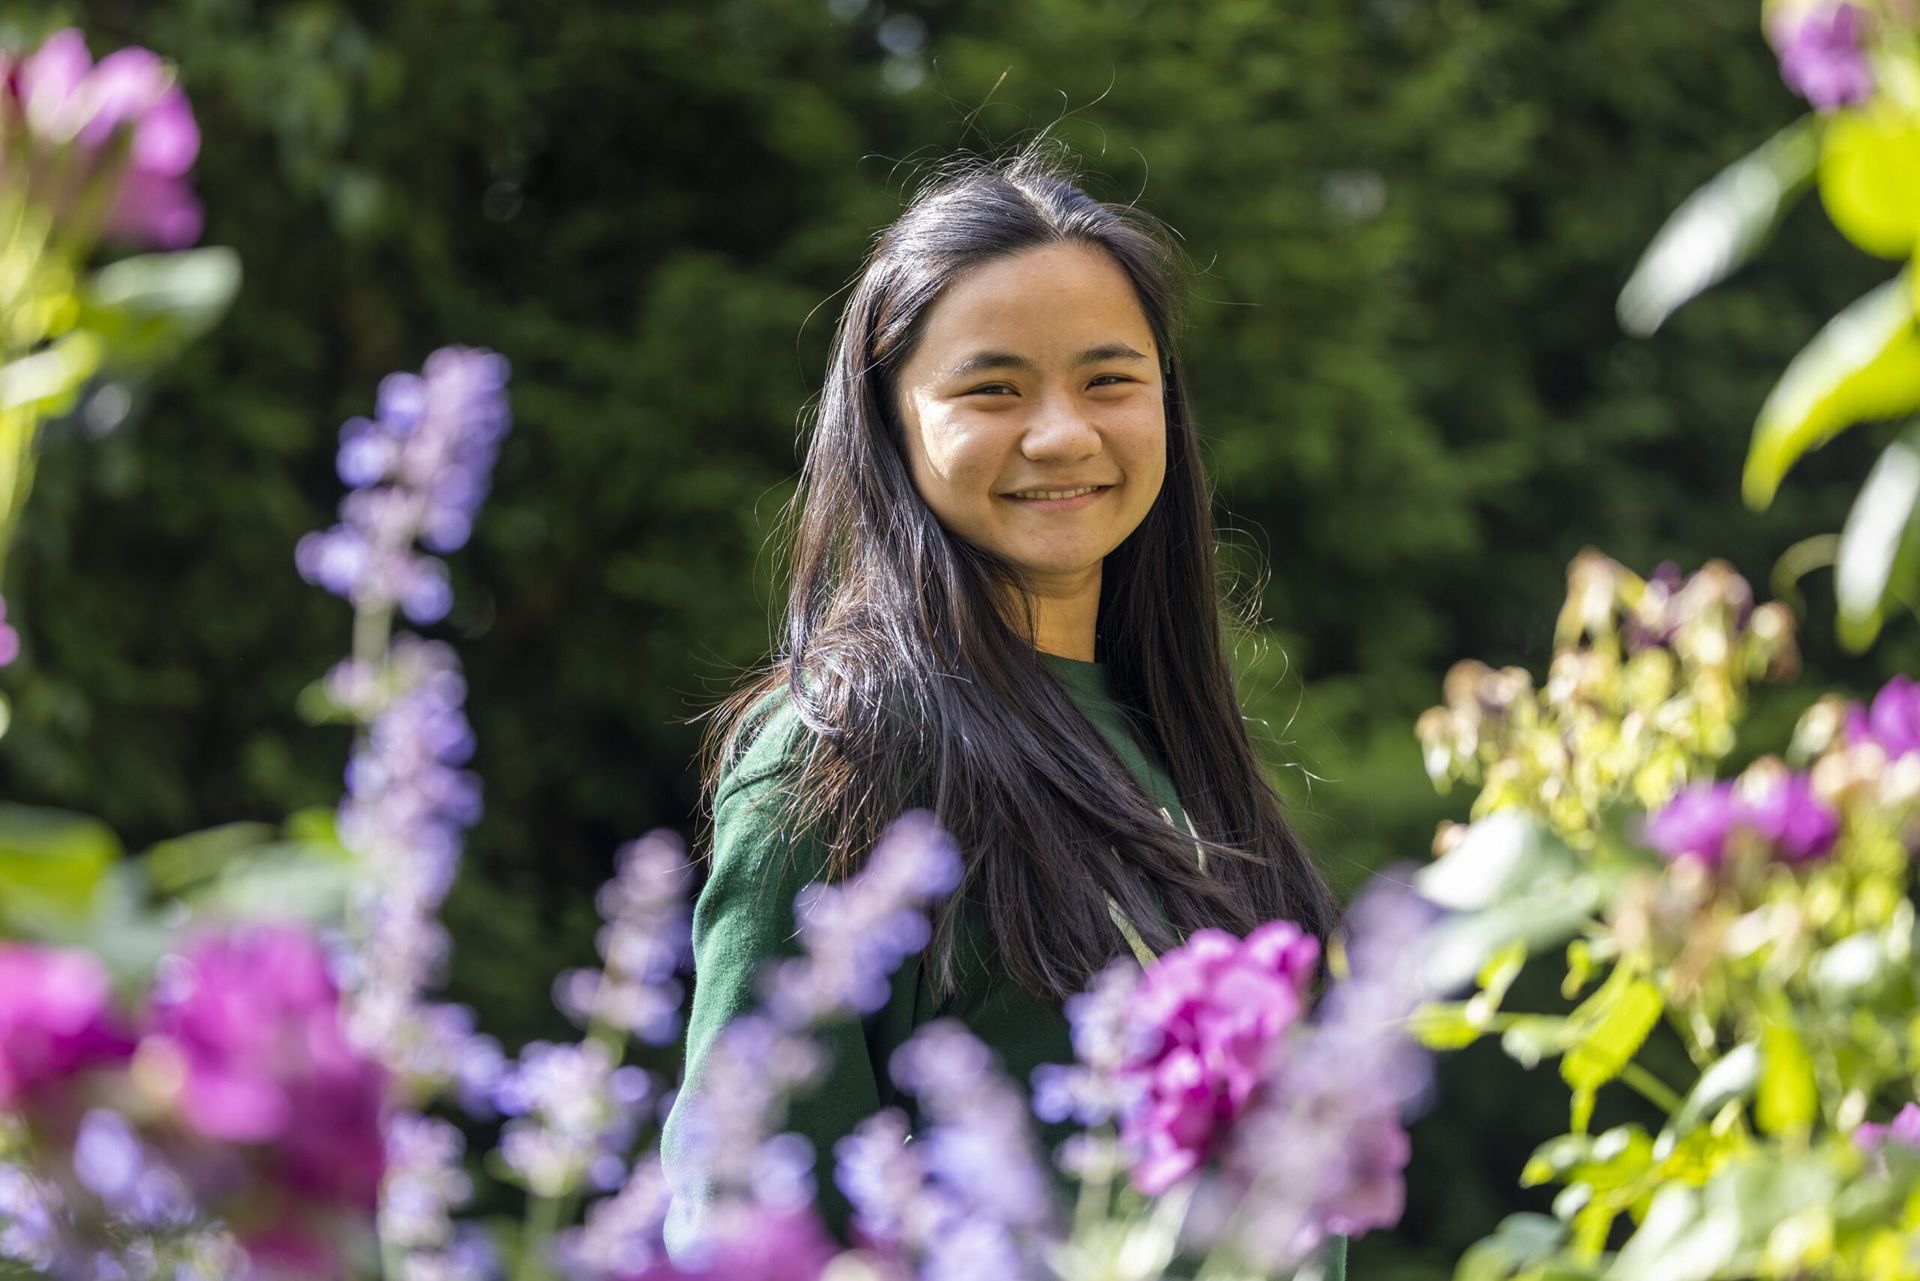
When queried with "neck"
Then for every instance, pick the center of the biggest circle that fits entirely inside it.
(1065, 612)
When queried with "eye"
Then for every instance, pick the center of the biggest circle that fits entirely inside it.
(1117, 379)
(991, 389)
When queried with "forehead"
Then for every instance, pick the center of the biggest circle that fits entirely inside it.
(1052, 299)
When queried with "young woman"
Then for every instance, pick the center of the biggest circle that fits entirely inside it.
(1003, 609)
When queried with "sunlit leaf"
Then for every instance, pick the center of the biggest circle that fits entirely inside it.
(1864, 364)
(1880, 544)
(162, 298)
(48, 380)
(1444, 1025)
(1732, 1076)
(1521, 1241)
(51, 863)
(1501, 855)
(1870, 178)
(1718, 227)
(1787, 1100)
(1614, 1023)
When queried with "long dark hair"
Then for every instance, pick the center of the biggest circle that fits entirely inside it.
(918, 690)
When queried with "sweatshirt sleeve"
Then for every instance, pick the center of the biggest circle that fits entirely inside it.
(742, 920)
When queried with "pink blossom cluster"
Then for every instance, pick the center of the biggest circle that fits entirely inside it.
(117, 135)
(1704, 821)
(1214, 1012)
(252, 1090)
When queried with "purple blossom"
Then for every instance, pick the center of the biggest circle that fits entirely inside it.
(984, 1208)
(1892, 721)
(1903, 1130)
(56, 1019)
(785, 1246)
(134, 1188)
(644, 943)
(1823, 54)
(622, 1233)
(1211, 1014)
(1323, 1149)
(30, 1226)
(250, 1021)
(72, 111)
(576, 1112)
(417, 472)
(424, 1182)
(9, 638)
(856, 934)
(1703, 820)
(1095, 1087)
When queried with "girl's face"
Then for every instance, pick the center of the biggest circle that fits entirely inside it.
(1032, 412)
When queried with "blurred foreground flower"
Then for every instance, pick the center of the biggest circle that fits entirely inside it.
(107, 147)
(1822, 50)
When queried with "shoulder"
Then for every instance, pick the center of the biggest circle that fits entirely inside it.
(765, 749)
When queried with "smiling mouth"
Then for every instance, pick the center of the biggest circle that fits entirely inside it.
(1054, 495)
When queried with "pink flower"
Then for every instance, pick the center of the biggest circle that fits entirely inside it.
(72, 109)
(1212, 1013)
(1893, 720)
(1823, 54)
(1700, 822)
(784, 1247)
(1903, 1130)
(252, 1019)
(55, 1019)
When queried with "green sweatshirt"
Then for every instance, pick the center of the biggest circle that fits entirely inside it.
(744, 917)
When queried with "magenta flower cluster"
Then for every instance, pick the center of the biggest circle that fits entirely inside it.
(1703, 822)
(268, 1116)
(56, 1020)
(1891, 722)
(1823, 55)
(118, 134)
(1902, 1131)
(1216, 1010)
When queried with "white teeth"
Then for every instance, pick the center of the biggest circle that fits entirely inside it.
(1056, 493)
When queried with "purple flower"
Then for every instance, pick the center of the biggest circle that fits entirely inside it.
(30, 1227)
(575, 1112)
(56, 1019)
(622, 1233)
(644, 943)
(251, 1021)
(856, 934)
(790, 1246)
(1903, 1130)
(1798, 826)
(136, 1190)
(1893, 720)
(1702, 821)
(72, 110)
(1823, 56)
(1696, 823)
(9, 638)
(1323, 1149)
(424, 1182)
(418, 472)
(1214, 1010)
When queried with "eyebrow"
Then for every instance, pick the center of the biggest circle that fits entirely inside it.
(983, 360)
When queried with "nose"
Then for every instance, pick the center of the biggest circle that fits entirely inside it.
(1059, 432)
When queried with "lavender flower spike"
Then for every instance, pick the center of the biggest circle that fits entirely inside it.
(418, 472)
(645, 941)
(857, 934)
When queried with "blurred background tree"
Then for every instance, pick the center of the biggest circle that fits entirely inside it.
(1413, 220)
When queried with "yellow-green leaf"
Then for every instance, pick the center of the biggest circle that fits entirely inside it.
(1787, 1100)
(1615, 1022)
(1870, 178)
(51, 862)
(1718, 227)
(1444, 1025)
(1864, 364)
(1878, 549)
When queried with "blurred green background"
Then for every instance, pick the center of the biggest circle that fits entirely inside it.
(1412, 218)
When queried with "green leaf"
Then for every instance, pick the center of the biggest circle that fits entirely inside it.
(1880, 545)
(1732, 1076)
(1676, 1241)
(48, 381)
(1864, 364)
(180, 861)
(149, 303)
(1444, 1025)
(51, 863)
(1613, 1024)
(1870, 178)
(1718, 227)
(1787, 1101)
(1520, 1242)
(1532, 1037)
